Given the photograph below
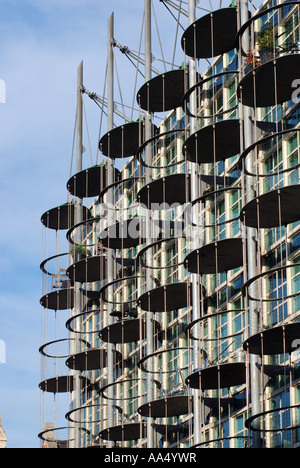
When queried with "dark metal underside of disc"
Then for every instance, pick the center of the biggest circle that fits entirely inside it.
(166, 298)
(92, 269)
(222, 376)
(217, 257)
(214, 143)
(123, 141)
(212, 35)
(126, 432)
(62, 384)
(127, 331)
(164, 92)
(168, 407)
(217, 180)
(164, 429)
(274, 371)
(62, 299)
(270, 83)
(276, 208)
(63, 217)
(172, 189)
(131, 233)
(90, 182)
(277, 340)
(124, 235)
(94, 359)
(89, 270)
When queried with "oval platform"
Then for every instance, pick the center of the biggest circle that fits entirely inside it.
(218, 377)
(124, 235)
(277, 340)
(217, 180)
(214, 143)
(166, 298)
(88, 270)
(94, 359)
(90, 182)
(127, 331)
(276, 208)
(62, 299)
(270, 84)
(172, 189)
(61, 384)
(125, 432)
(123, 141)
(212, 35)
(168, 407)
(63, 217)
(164, 92)
(217, 257)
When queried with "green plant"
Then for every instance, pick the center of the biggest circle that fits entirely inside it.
(266, 38)
(80, 250)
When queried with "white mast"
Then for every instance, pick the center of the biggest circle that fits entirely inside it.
(110, 252)
(148, 126)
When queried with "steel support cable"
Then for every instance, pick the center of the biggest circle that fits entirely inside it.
(170, 11)
(158, 35)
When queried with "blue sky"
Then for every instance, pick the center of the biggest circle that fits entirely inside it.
(42, 43)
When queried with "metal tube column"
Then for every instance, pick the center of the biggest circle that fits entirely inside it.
(78, 241)
(196, 243)
(110, 252)
(251, 241)
(148, 126)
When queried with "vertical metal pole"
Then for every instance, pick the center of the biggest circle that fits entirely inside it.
(247, 113)
(110, 252)
(148, 126)
(78, 240)
(193, 167)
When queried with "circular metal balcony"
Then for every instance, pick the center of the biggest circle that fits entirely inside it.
(63, 217)
(169, 407)
(217, 377)
(173, 189)
(125, 432)
(217, 257)
(166, 298)
(123, 141)
(94, 359)
(164, 92)
(90, 182)
(127, 331)
(283, 339)
(212, 35)
(214, 143)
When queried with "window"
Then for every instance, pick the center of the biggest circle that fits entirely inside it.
(296, 285)
(272, 165)
(276, 285)
(218, 218)
(235, 209)
(291, 32)
(241, 434)
(279, 420)
(293, 158)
